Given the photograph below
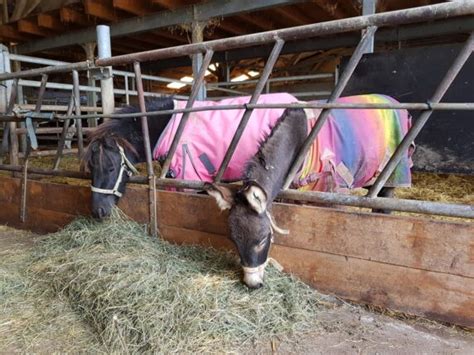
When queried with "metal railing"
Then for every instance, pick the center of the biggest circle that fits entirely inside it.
(278, 38)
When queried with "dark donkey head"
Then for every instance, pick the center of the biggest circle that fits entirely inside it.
(250, 220)
(114, 147)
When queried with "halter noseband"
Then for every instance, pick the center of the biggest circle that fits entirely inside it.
(125, 166)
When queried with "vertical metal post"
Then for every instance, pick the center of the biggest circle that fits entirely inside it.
(368, 8)
(402, 148)
(89, 48)
(192, 97)
(62, 139)
(336, 93)
(197, 36)
(31, 144)
(6, 129)
(106, 84)
(77, 111)
(147, 146)
(267, 70)
(127, 94)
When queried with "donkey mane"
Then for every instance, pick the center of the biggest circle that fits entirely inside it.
(125, 132)
(268, 167)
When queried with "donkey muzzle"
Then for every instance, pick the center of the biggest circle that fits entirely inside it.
(253, 276)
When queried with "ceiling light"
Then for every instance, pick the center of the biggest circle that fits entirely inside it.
(242, 77)
(253, 73)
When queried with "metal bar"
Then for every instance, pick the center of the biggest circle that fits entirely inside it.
(192, 97)
(402, 148)
(28, 107)
(48, 153)
(44, 61)
(47, 70)
(368, 8)
(77, 109)
(61, 86)
(104, 50)
(393, 18)
(267, 70)
(274, 80)
(323, 116)
(64, 130)
(198, 12)
(42, 90)
(55, 130)
(24, 189)
(6, 129)
(462, 106)
(127, 95)
(147, 147)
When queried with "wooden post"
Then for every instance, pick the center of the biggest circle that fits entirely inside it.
(89, 48)
(197, 36)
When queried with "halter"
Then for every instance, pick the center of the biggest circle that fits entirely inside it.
(125, 166)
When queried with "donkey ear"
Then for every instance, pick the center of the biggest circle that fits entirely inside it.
(224, 196)
(257, 198)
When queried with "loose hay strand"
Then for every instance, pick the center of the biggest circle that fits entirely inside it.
(143, 294)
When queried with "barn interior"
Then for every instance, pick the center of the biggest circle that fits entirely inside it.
(404, 265)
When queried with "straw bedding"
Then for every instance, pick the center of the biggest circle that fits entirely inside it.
(137, 294)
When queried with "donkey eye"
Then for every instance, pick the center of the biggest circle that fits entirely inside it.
(111, 170)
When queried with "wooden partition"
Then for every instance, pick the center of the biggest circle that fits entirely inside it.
(414, 265)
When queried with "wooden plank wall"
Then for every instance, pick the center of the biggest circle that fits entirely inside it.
(413, 265)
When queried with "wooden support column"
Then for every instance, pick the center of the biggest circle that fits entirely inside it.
(197, 36)
(89, 48)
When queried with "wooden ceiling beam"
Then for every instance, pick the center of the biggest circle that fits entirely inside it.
(9, 33)
(68, 15)
(31, 27)
(169, 4)
(135, 7)
(101, 10)
(258, 20)
(293, 15)
(50, 21)
(333, 8)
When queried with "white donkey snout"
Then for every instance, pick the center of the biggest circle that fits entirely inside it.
(253, 276)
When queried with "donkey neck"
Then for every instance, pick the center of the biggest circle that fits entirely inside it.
(268, 168)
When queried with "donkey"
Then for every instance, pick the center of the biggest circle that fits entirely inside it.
(114, 148)
(349, 152)
(250, 219)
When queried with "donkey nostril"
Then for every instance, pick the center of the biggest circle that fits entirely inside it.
(258, 285)
(101, 212)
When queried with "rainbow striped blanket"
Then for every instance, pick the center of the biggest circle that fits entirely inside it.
(350, 151)
(354, 145)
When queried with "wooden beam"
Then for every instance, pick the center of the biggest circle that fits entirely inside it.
(101, 10)
(202, 11)
(50, 21)
(170, 4)
(68, 15)
(292, 15)
(135, 7)
(10, 33)
(259, 20)
(413, 265)
(31, 27)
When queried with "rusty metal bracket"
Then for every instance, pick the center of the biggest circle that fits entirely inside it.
(101, 73)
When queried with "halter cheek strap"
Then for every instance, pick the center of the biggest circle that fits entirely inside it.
(125, 166)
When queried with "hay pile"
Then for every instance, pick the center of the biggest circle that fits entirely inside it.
(140, 294)
(32, 318)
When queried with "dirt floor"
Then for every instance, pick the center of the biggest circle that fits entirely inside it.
(357, 330)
